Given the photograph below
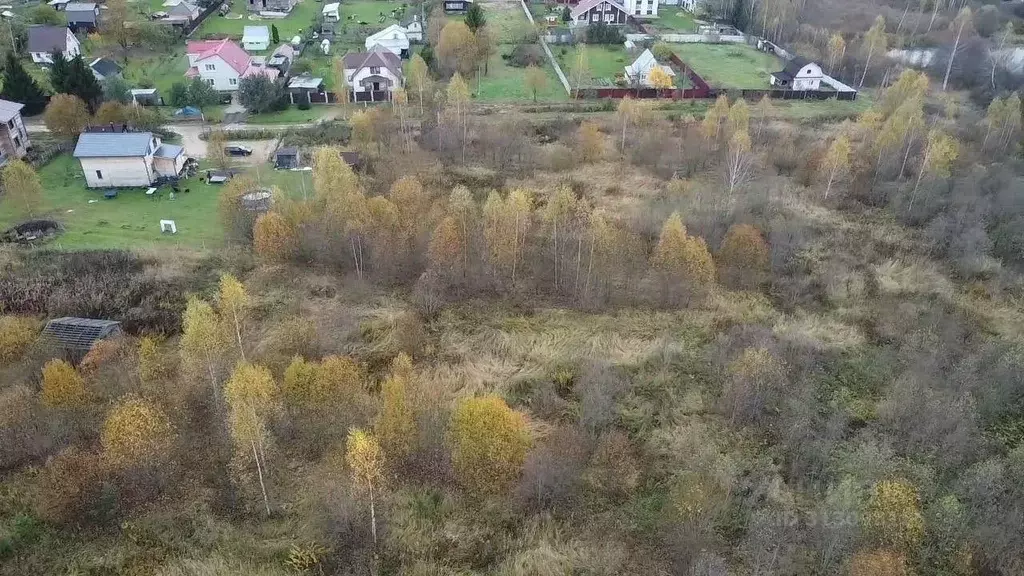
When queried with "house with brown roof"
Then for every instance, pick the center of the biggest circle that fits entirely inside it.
(374, 75)
(223, 64)
(13, 135)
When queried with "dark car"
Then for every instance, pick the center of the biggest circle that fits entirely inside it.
(238, 150)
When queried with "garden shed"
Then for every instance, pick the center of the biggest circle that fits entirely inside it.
(287, 157)
(80, 334)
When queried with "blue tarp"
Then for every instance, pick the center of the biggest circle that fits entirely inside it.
(188, 111)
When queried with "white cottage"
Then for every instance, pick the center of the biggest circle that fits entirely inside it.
(413, 28)
(370, 73)
(255, 38)
(799, 74)
(223, 64)
(638, 73)
(393, 38)
(115, 159)
(44, 40)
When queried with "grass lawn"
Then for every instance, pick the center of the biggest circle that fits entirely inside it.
(671, 19)
(504, 82)
(506, 21)
(301, 17)
(290, 116)
(368, 11)
(132, 219)
(604, 63)
(159, 70)
(729, 65)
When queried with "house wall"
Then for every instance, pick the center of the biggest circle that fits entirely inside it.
(355, 77)
(394, 45)
(134, 171)
(223, 75)
(10, 130)
(73, 49)
(250, 46)
(809, 77)
(604, 12)
(414, 31)
(642, 7)
(169, 166)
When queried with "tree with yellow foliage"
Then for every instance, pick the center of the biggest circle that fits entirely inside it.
(591, 142)
(489, 444)
(456, 49)
(738, 119)
(215, 152)
(837, 161)
(743, 258)
(893, 516)
(233, 304)
(457, 95)
(252, 397)
(740, 160)
(396, 422)
(17, 333)
(939, 155)
(711, 127)
(202, 342)
(365, 459)
(135, 432)
(273, 238)
(419, 77)
(506, 225)
(682, 263)
(63, 386)
(536, 79)
(659, 78)
(322, 387)
(23, 191)
(151, 363)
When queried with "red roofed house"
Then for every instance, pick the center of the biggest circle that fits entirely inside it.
(222, 64)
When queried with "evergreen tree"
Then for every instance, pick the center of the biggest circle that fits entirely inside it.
(59, 71)
(19, 86)
(475, 18)
(275, 36)
(83, 83)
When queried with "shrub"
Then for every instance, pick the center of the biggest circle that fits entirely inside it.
(63, 386)
(16, 334)
(303, 105)
(525, 55)
(71, 488)
(135, 432)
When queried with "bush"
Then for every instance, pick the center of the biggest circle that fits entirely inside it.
(524, 55)
(601, 33)
(304, 105)
(16, 334)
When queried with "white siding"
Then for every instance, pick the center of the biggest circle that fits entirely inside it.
(115, 172)
(255, 46)
(224, 76)
(355, 77)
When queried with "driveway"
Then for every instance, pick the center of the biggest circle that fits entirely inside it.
(197, 148)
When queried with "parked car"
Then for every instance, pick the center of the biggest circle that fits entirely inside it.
(238, 150)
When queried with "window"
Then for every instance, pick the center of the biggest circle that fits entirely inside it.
(609, 17)
(10, 123)
(99, 174)
(17, 142)
(233, 81)
(211, 67)
(209, 81)
(596, 18)
(374, 69)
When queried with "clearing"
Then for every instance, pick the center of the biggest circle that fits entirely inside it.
(729, 65)
(302, 16)
(671, 19)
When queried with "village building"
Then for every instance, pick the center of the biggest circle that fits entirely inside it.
(282, 6)
(222, 64)
(14, 140)
(456, 6)
(180, 12)
(638, 73)
(113, 159)
(393, 38)
(798, 74)
(82, 16)
(255, 38)
(103, 68)
(373, 75)
(45, 40)
(596, 11)
(330, 17)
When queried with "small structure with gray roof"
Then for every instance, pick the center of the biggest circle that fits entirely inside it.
(14, 141)
(78, 335)
(104, 68)
(82, 16)
(255, 38)
(798, 74)
(114, 159)
(373, 75)
(44, 40)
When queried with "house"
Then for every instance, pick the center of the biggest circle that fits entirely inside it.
(111, 159)
(284, 6)
(638, 73)
(82, 16)
(456, 6)
(222, 64)
(282, 57)
(256, 38)
(286, 158)
(798, 74)
(330, 16)
(299, 88)
(641, 7)
(181, 13)
(104, 68)
(44, 40)
(370, 73)
(58, 5)
(146, 97)
(413, 28)
(593, 11)
(13, 136)
(393, 39)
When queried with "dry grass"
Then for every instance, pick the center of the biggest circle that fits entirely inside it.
(914, 277)
(820, 332)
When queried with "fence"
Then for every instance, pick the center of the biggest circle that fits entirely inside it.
(547, 51)
(372, 96)
(191, 27)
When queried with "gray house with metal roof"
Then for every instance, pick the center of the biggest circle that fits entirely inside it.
(116, 159)
(82, 16)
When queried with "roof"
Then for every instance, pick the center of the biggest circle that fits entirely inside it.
(228, 51)
(255, 34)
(287, 151)
(9, 110)
(330, 8)
(409, 20)
(113, 144)
(377, 56)
(305, 82)
(80, 333)
(644, 63)
(43, 38)
(168, 151)
(389, 33)
(792, 68)
(105, 67)
(586, 5)
(143, 91)
(80, 7)
(182, 8)
(286, 50)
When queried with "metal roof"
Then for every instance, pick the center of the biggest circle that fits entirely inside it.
(43, 38)
(9, 109)
(113, 145)
(255, 33)
(168, 151)
(311, 82)
(80, 333)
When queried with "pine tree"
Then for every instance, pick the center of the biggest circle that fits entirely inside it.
(83, 83)
(19, 86)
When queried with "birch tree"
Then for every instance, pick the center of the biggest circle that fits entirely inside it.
(233, 303)
(252, 398)
(960, 23)
(874, 41)
(939, 155)
(580, 68)
(740, 161)
(365, 459)
(458, 103)
(202, 342)
(837, 161)
(419, 77)
(22, 190)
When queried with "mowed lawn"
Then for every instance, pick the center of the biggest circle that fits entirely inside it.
(603, 63)
(132, 220)
(504, 82)
(671, 19)
(302, 17)
(729, 65)
(158, 70)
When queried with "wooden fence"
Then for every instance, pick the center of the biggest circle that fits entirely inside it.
(191, 26)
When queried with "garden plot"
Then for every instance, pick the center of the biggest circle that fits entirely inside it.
(729, 65)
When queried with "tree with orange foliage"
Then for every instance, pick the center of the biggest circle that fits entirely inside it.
(743, 259)
(273, 237)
